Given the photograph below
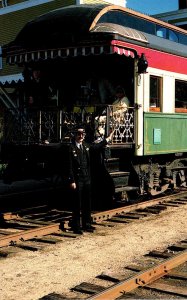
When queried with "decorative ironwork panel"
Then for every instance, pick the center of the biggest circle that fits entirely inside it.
(123, 126)
(57, 125)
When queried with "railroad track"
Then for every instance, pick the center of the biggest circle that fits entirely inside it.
(164, 274)
(34, 227)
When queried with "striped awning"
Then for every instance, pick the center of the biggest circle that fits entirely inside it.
(39, 55)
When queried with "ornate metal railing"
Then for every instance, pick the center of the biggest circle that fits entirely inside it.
(58, 125)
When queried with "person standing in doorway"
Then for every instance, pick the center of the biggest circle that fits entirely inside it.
(121, 103)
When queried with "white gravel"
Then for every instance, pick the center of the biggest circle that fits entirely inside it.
(32, 275)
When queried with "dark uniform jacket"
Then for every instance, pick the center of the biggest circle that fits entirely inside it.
(80, 166)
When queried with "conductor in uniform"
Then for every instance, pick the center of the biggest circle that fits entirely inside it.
(80, 179)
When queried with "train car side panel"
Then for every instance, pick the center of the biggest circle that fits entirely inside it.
(164, 133)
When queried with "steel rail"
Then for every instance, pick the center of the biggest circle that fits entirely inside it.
(29, 234)
(141, 279)
(9, 216)
(96, 217)
(105, 215)
(6, 216)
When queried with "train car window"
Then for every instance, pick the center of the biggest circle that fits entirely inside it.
(155, 93)
(161, 32)
(180, 96)
(182, 39)
(167, 34)
(172, 36)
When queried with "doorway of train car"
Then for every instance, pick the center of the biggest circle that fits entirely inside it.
(85, 86)
(91, 80)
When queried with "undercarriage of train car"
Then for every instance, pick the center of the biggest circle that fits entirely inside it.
(35, 139)
(161, 173)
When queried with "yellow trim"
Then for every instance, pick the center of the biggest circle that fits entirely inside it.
(88, 109)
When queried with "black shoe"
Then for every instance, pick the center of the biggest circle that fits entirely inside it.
(77, 231)
(89, 228)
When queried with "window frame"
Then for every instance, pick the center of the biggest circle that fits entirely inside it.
(157, 104)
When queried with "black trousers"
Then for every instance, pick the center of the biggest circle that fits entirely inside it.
(82, 204)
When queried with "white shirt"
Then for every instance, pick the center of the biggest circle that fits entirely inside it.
(79, 145)
(120, 104)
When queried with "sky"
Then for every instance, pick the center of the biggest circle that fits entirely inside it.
(152, 7)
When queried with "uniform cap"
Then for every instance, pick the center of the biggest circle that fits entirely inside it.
(79, 129)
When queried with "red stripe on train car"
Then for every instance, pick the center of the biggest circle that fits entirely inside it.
(158, 59)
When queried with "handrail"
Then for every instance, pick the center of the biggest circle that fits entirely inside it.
(57, 124)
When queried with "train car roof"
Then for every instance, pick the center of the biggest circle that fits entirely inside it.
(60, 27)
(168, 46)
(142, 38)
(78, 25)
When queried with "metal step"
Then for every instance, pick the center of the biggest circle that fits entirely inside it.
(112, 164)
(126, 189)
(119, 173)
(120, 178)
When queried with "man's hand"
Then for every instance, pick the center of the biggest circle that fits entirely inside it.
(73, 185)
(110, 137)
